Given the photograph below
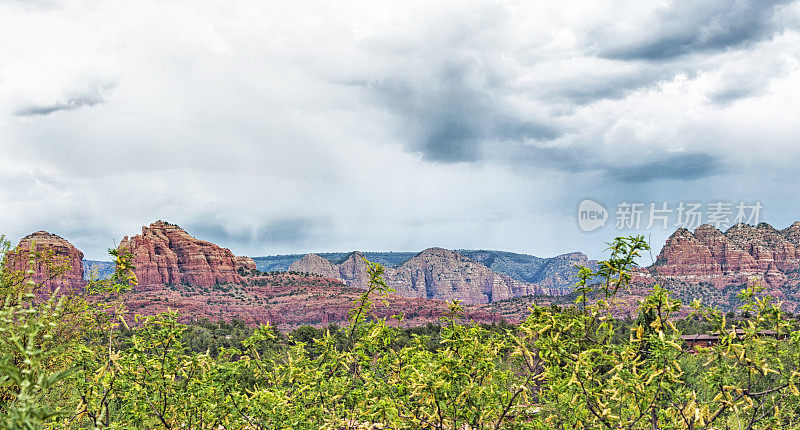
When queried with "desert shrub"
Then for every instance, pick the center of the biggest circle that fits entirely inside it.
(65, 364)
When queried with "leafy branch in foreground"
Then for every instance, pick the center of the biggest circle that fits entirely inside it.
(747, 380)
(66, 364)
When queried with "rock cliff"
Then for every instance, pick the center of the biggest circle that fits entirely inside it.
(165, 254)
(715, 265)
(59, 264)
(435, 273)
(288, 301)
(554, 272)
(245, 262)
(740, 253)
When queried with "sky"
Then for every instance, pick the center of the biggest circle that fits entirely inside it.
(289, 127)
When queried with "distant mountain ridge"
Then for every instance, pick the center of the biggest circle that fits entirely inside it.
(553, 272)
(99, 269)
(201, 279)
(282, 262)
(441, 274)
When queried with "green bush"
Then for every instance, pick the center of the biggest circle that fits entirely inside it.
(65, 364)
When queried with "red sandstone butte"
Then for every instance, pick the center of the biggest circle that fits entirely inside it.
(59, 264)
(741, 252)
(165, 254)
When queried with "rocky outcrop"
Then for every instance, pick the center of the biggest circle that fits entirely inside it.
(165, 254)
(288, 301)
(353, 271)
(732, 257)
(768, 246)
(57, 264)
(792, 235)
(245, 262)
(560, 272)
(435, 273)
(554, 272)
(685, 255)
(313, 263)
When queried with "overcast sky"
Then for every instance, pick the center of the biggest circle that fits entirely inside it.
(278, 127)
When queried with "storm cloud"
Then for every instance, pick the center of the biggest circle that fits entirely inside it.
(279, 231)
(685, 167)
(450, 118)
(685, 27)
(301, 127)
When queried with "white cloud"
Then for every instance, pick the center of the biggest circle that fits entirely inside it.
(310, 126)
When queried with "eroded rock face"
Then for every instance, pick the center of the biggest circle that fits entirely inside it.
(60, 264)
(685, 255)
(313, 263)
(288, 301)
(435, 273)
(246, 262)
(735, 256)
(165, 254)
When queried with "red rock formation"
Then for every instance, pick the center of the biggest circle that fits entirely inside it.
(245, 262)
(288, 301)
(58, 263)
(685, 255)
(792, 235)
(728, 256)
(164, 254)
(435, 273)
(313, 263)
(731, 258)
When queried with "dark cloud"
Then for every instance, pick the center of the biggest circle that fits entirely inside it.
(75, 101)
(286, 230)
(283, 231)
(455, 119)
(751, 82)
(450, 116)
(729, 95)
(689, 26)
(590, 88)
(679, 166)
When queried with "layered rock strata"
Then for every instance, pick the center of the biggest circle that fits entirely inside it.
(56, 263)
(435, 273)
(740, 253)
(165, 254)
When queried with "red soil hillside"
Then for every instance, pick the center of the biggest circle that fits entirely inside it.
(286, 301)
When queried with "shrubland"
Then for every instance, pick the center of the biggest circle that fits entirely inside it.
(81, 361)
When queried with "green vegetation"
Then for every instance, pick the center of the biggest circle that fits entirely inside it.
(81, 361)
